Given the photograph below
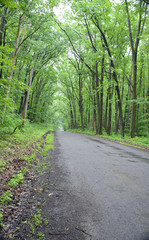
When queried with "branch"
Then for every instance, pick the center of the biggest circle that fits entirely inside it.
(140, 28)
(89, 34)
(81, 58)
(103, 35)
(129, 26)
(28, 36)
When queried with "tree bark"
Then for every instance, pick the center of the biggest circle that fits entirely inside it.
(109, 129)
(95, 21)
(106, 111)
(97, 99)
(2, 35)
(14, 61)
(101, 95)
(134, 49)
(27, 97)
(81, 101)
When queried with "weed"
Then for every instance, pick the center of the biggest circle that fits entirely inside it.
(37, 221)
(37, 218)
(16, 180)
(32, 229)
(6, 198)
(24, 170)
(24, 222)
(1, 219)
(2, 165)
(29, 158)
(53, 184)
(49, 144)
(40, 236)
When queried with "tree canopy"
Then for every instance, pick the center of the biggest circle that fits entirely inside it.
(75, 64)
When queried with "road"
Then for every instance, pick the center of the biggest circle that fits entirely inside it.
(111, 183)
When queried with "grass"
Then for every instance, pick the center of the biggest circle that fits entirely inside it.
(117, 137)
(22, 149)
(16, 180)
(30, 134)
(1, 219)
(2, 165)
(36, 222)
(6, 198)
(42, 149)
(49, 144)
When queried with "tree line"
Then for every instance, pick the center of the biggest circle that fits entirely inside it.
(108, 88)
(86, 69)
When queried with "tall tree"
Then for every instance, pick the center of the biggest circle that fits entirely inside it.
(134, 41)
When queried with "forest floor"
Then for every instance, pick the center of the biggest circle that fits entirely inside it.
(23, 205)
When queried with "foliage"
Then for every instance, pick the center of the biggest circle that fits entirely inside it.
(2, 165)
(16, 180)
(40, 236)
(18, 151)
(1, 219)
(36, 221)
(49, 144)
(6, 198)
(74, 69)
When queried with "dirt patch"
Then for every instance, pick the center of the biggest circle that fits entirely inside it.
(47, 209)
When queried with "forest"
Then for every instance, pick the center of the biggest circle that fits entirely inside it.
(75, 64)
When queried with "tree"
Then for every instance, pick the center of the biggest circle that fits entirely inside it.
(134, 41)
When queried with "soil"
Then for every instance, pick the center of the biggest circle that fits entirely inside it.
(44, 208)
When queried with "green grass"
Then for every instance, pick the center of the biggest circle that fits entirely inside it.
(21, 146)
(36, 222)
(6, 198)
(1, 219)
(16, 180)
(2, 165)
(30, 134)
(49, 144)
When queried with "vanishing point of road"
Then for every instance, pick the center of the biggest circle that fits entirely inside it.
(111, 183)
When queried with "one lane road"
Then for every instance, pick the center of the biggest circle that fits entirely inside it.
(112, 181)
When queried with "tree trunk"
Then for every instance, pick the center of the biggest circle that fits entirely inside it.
(27, 97)
(134, 48)
(2, 35)
(116, 116)
(134, 96)
(101, 95)
(106, 111)
(95, 21)
(81, 101)
(109, 129)
(97, 99)
(14, 61)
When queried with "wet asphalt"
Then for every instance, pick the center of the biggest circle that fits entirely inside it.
(111, 183)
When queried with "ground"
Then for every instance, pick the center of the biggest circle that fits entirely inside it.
(45, 209)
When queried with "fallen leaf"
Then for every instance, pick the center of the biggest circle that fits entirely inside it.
(50, 194)
(66, 229)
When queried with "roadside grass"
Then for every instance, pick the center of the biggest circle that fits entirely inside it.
(49, 145)
(144, 141)
(17, 155)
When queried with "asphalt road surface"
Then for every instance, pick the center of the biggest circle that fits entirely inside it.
(111, 182)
